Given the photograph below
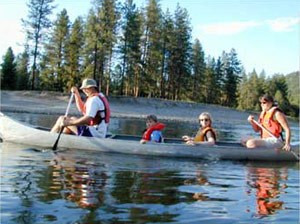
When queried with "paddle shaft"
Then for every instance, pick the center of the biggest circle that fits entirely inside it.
(262, 127)
(69, 104)
(61, 130)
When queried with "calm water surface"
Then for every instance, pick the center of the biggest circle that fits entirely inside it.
(92, 187)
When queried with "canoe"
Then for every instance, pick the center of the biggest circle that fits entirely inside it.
(18, 132)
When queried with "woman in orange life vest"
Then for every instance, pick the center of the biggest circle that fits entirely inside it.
(153, 132)
(206, 134)
(96, 113)
(274, 120)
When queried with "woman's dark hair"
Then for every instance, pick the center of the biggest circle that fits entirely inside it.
(267, 98)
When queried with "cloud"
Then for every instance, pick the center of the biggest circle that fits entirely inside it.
(283, 24)
(227, 28)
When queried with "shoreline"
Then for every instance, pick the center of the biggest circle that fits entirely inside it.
(54, 103)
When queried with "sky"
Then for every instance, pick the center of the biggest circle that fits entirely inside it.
(264, 33)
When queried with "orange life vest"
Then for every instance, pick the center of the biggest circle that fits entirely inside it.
(157, 127)
(201, 134)
(98, 118)
(266, 119)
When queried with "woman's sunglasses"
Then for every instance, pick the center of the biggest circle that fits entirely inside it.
(205, 119)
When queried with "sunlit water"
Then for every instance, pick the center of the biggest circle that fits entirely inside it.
(93, 187)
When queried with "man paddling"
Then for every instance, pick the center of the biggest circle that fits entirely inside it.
(95, 113)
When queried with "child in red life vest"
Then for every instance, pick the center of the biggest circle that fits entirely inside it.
(206, 134)
(153, 132)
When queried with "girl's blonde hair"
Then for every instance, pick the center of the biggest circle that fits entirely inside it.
(206, 114)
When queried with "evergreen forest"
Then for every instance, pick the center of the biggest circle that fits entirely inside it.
(136, 52)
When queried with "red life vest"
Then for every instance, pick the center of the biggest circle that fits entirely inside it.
(98, 118)
(157, 127)
(266, 119)
(201, 134)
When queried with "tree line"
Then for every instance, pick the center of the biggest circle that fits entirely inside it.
(131, 51)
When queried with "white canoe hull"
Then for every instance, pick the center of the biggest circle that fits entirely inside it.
(18, 132)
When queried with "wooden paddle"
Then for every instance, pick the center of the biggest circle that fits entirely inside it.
(54, 148)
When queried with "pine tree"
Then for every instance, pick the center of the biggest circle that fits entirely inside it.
(292, 81)
(151, 49)
(101, 38)
(181, 58)
(198, 70)
(219, 81)
(276, 86)
(8, 71)
(210, 87)
(130, 50)
(36, 26)
(54, 64)
(250, 89)
(242, 100)
(231, 68)
(168, 38)
(22, 70)
(91, 48)
(74, 51)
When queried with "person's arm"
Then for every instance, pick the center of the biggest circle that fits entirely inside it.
(280, 117)
(187, 138)
(84, 120)
(78, 100)
(143, 141)
(254, 126)
(210, 138)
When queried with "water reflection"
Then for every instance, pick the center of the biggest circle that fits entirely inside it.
(269, 183)
(200, 179)
(84, 180)
(80, 181)
(90, 187)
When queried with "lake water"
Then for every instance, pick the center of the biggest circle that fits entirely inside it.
(93, 187)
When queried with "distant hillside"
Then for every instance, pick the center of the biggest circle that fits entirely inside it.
(292, 81)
